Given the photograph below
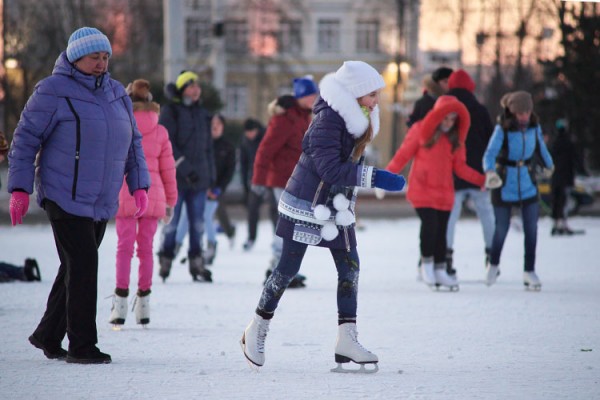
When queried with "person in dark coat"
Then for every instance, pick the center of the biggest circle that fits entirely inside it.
(435, 85)
(317, 206)
(462, 87)
(254, 132)
(567, 162)
(76, 140)
(188, 124)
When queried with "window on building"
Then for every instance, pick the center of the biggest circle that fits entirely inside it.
(236, 97)
(236, 36)
(329, 35)
(367, 37)
(203, 5)
(290, 36)
(197, 35)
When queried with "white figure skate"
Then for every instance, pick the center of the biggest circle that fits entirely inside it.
(119, 312)
(531, 281)
(253, 341)
(349, 349)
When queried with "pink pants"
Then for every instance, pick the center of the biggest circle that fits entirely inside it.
(126, 232)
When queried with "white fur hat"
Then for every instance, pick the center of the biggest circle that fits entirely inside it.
(359, 78)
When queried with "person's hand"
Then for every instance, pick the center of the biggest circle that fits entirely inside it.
(389, 181)
(259, 190)
(213, 193)
(141, 202)
(19, 204)
(379, 193)
(547, 172)
(492, 180)
(168, 216)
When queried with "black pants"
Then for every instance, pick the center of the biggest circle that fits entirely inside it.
(71, 307)
(434, 224)
(559, 201)
(224, 220)
(254, 203)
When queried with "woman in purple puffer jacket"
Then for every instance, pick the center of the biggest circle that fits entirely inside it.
(78, 137)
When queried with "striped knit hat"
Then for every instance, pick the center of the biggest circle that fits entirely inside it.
(85, 41)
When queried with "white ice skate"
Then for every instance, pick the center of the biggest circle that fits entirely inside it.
(119, 312)
(491, 274)
(531, 281)
(253, 340)
(141, 307)
(443, 280)
(349, 349)
(427, 272)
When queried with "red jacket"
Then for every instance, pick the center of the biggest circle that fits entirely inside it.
(161, 165)
(430, 180)
(281, 146)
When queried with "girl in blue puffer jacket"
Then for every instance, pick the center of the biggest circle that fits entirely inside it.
(509, 166)
(78, 137)
(317, 205)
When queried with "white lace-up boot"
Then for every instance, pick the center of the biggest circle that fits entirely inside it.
(253, 340)
(443, 279)
(119, 310)
(141, 307)
(491, 274)
(349, 349)
(531, 281)
(427, 272)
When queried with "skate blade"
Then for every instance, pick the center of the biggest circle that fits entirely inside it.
(361, 370)
(117, 328)
(253, 367)
(443, 288)
(532, 288)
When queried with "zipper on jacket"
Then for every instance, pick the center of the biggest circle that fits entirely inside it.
(318, 191)
(77, 148)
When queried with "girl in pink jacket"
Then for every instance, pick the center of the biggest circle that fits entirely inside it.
(162, 197)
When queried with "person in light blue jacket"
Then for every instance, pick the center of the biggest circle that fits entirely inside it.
(515, 147)
(76, 140)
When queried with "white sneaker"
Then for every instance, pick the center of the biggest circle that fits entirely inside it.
(141, 307)
(427, 272)
(119, 310)
(442, 278)
(491, 274)
(531, 280)
(349, 349)
(253, 340)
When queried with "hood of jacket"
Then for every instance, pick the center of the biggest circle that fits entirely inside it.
(342, 102)
(442, 107)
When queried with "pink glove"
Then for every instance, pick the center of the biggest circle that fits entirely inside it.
(141, 202)
(19, 204)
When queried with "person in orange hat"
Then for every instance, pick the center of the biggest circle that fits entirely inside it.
(436, 146)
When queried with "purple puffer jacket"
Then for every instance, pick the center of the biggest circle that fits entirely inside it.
(78, 133)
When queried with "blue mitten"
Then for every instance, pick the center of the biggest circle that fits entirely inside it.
(388, 181)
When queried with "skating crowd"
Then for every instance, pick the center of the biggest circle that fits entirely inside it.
(96, 150)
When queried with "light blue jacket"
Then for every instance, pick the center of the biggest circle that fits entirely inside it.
(517, 174)
(78, 137)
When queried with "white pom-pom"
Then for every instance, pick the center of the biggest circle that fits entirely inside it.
(340, 202)
(329, 231)
(322, 212)
(344, 218)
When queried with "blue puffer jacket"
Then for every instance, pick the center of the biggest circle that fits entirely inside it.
(514, 161)
(325, 169)
(83, 133)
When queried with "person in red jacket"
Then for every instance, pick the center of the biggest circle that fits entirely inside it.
(436, 145)
(162, 197)
(281, 147)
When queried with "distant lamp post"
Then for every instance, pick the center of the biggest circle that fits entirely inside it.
(480, 39)
(397, 71)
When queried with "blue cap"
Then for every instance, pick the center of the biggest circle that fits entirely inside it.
(86, 41)
(304, 87)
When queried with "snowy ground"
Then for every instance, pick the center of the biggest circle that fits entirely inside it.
(480, 343)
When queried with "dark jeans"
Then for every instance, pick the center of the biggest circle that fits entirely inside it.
(434, 224)
(529, 215)
(254, 203)
(10, 272)
(71, 307)
(348, 269)
(224, 220)
(195, 201)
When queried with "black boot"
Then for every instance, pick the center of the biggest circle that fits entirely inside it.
(449, 263)
(165, 266)
(31, 270)
(91, 356)
(198, 271)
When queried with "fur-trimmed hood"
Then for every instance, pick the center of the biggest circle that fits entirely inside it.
(443, 106)
(280, 105)
(342, 102)
(146, 106)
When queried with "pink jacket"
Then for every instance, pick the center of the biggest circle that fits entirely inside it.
(161, 165)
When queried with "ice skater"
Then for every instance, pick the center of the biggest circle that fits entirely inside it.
(317, 205)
